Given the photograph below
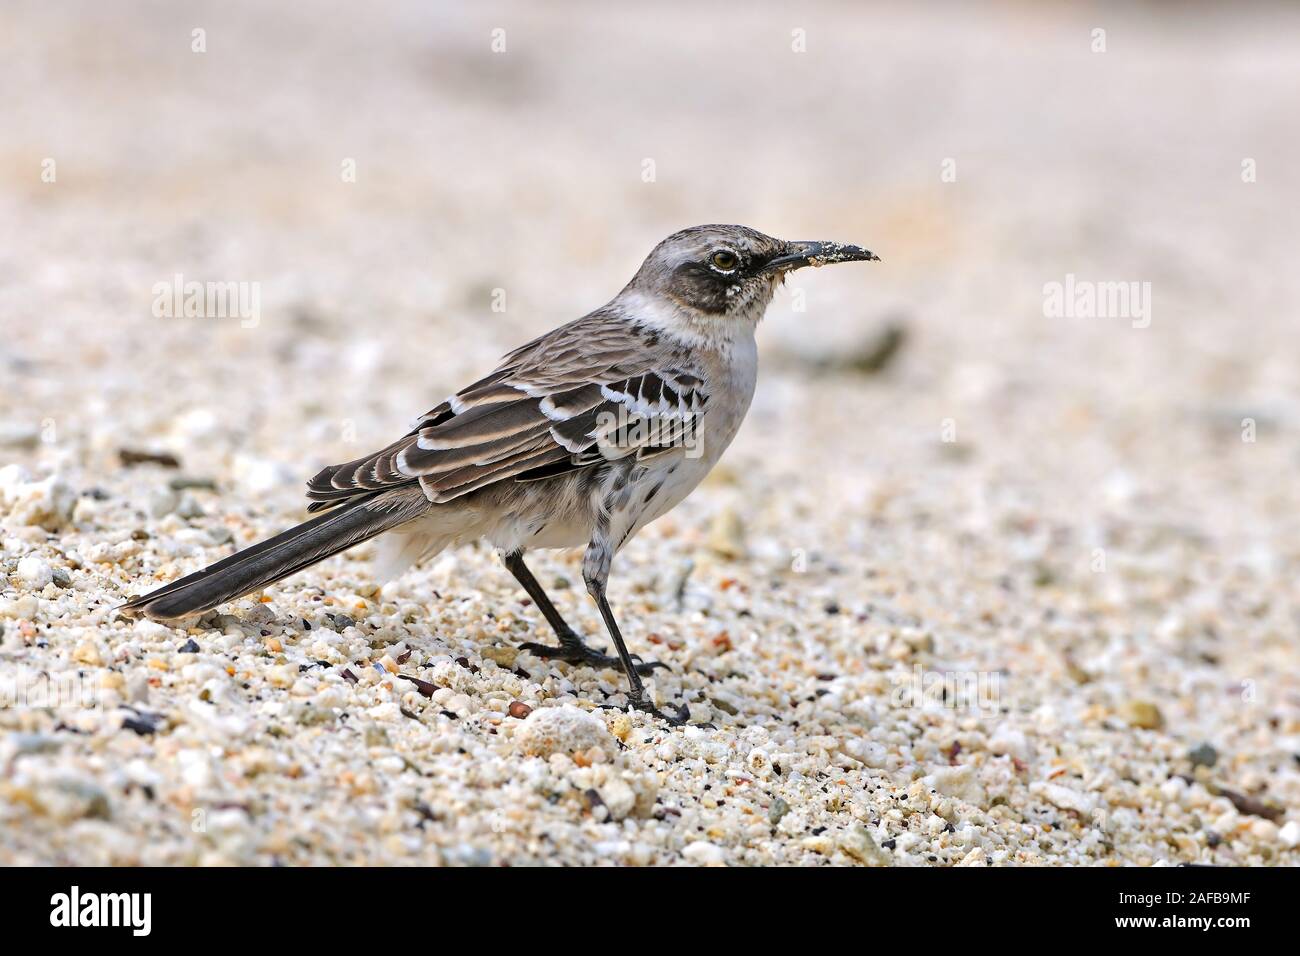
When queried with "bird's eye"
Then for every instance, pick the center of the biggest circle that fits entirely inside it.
(724, 259)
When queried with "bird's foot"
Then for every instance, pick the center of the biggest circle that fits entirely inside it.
(677, 717)
(574, 651)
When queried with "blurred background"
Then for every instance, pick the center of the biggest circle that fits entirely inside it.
(384, 174)
(982, 154)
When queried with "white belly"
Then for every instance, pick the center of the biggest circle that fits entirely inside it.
(670, 478)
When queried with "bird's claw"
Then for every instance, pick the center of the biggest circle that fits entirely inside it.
(576, 652)
(678, 718)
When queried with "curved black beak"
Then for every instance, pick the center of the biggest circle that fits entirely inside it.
(818, 254)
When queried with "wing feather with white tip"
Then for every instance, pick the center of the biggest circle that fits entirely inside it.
(592, 391)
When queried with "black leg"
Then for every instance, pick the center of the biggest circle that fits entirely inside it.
(571, 648)
(636, 692)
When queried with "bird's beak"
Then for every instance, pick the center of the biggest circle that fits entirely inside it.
(800, 254)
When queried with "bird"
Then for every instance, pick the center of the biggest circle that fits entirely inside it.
(577, 439)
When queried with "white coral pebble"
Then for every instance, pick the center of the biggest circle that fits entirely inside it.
(705, 854)
(1290, 834)
(35, 572)
(551, 730)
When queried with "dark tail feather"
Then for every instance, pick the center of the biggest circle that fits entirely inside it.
(275, 558)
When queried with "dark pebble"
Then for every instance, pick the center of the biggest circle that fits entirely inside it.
(142, 723)
(423, 686)
(1203, 755)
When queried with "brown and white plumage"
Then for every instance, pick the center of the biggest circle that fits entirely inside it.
(546, 410)
(580, 437)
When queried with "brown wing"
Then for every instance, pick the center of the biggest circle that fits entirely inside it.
(591, 391)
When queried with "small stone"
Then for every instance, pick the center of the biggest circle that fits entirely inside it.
(1142, 714)
(152, 630)
(725, 706)
(137, 688)
(1265, 830)
(819, 842)
(196, 768)
(778, 810)
(501, 656)
(27, 743)
(1289, 835)
(190, 647)
(960, 782)
(519, 710)
(185, 482)
(35, 572)
(1011, 743)
(226, 623)
(87, 653)
(727, 535)
(453, 676)
(759, 763)
(619, 798)
(47, 504)
(621, 727)
(1203, 755)
(162, 502)
(143, 723)
(260, 614)
(19, 435)
(563, 729)
(704, 853)
(858, 844)
(1066, 798)
(62, 578)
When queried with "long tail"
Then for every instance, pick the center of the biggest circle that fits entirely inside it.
(275, 558)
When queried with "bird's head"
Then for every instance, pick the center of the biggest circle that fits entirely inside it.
(720, 272)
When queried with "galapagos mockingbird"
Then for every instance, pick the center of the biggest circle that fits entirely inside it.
(581, 437)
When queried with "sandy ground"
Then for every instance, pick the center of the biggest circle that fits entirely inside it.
(1025, 595)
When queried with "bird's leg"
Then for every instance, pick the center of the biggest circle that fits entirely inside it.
(571, 648)
(595, 571)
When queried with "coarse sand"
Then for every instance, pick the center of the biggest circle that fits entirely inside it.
(1015, 589)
